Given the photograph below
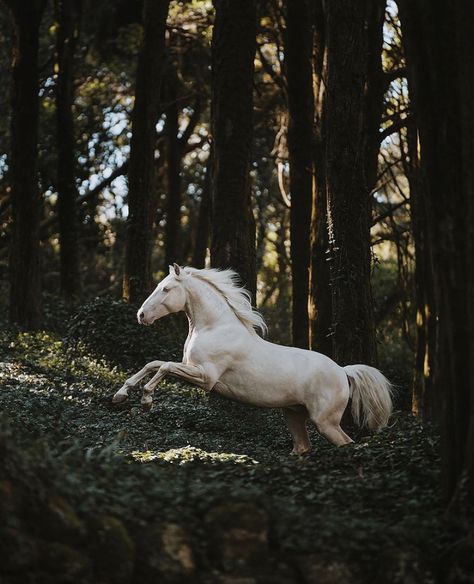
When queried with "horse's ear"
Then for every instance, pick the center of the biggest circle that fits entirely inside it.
(177, 269)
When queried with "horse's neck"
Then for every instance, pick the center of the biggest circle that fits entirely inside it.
(206, 307)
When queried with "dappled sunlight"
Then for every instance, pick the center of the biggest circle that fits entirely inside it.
(47, 354)
(186, 454)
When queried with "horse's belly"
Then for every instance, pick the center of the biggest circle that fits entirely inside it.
(234, 387)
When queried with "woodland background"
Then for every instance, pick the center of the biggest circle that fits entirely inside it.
(321, 149)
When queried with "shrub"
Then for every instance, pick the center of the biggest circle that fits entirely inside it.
(108, 330)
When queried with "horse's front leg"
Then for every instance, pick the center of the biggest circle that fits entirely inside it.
(122, 394)
(196, 374)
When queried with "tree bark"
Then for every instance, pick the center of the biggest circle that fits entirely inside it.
(424, 403)
(298, 57)
(173, 167)
(346, 181)
(67, 15)
(375, 88)
(201, 241)
(233, 52)
(440, 57)
(141, 198)
(319, 304)
(25, 281)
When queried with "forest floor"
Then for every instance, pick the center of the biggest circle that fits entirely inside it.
(204, 490)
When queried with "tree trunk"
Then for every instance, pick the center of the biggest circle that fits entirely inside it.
(298, 57)
(173, 167)
(319, 304)
(201, 241)
(67, 15)
(346, 181)
(141, 198)
(375, 88)
(440, 56)
(233, 52)
(25, 282)
(424, 403)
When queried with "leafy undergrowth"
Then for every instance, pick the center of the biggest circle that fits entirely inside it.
(203, 490)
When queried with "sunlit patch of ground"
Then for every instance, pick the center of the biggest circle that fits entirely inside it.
(191, 454)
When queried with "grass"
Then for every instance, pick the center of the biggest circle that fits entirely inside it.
(209, 482)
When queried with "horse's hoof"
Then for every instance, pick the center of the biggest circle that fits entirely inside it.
(119, 398)
(147, 407)
(301, 452)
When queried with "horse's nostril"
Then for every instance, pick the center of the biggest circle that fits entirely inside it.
(141, 315)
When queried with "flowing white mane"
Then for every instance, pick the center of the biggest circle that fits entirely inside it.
(238, 298)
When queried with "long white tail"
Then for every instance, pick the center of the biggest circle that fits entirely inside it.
(371, 394)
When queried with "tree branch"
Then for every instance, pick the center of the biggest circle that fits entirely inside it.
(394, 127)
(388, 212)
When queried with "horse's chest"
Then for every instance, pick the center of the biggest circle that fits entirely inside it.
(197, 349)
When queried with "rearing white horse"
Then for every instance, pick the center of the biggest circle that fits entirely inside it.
(224, 353)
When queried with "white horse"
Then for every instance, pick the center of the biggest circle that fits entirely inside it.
(224, 353)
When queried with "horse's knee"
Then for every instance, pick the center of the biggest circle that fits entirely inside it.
(164, 369)
(153, 366)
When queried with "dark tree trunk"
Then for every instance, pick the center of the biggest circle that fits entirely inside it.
(141, 197)
(25, 283)
(201, 241)
(67, 14)
(319, 304)
(440, 55)
(375, 88)
(233, 52)
(320, 309)
(298, 57)
(424, 403)
(346, 181)
(173, 168)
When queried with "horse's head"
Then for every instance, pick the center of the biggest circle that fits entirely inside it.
(168, 297)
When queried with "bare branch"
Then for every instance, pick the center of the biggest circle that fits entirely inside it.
(388, 213)
(281, 184)
(394, 127)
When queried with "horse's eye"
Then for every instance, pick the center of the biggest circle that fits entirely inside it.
(165, 290)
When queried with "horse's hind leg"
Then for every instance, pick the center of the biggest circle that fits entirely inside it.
(295, 419)
(328, 424)
(333, 432)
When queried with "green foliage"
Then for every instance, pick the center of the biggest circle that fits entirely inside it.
(200, 481)
(108, 330)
